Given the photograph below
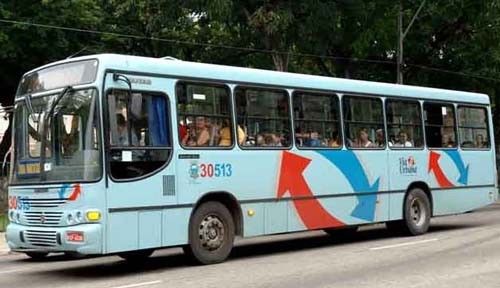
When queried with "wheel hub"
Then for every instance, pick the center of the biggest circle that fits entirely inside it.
(417, 212)
(211, 232)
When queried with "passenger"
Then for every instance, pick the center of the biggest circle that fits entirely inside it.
(199, 135)
(313, 140)
(260, 141)
(334, 142)
(403, 140)
(225, 134)
(480, 143)
(269, 140)
(380, 138)
(450, 143)
(363, 141)
(123, 133)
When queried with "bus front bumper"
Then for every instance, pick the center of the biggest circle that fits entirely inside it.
(83, 238)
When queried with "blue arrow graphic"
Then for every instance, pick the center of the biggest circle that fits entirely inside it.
(348, 163)
(62, 190)
(464, 170)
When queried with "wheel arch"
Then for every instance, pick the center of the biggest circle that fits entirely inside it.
(427, 190)
(227, 199)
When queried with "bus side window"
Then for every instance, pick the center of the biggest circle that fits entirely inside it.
(265, 115)
(138, 132)
(473, 127)
(404, 124)
(440, 125)
(317, 120)
(364, 122)
(204, 113)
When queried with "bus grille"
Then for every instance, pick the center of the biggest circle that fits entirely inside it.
(41, 238)
(44, 203)
(42, 218)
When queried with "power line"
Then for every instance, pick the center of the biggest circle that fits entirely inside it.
(453, 72)
(247, 49)
(192, 43)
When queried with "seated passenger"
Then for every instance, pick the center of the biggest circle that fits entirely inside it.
(199, 135)
(480, 143)
(362, 141)
(380, 138)
(225, 134)
(313, 140)
(334, 142)
(403, 140)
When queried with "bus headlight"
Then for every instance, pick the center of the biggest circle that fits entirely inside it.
(18, 217)
(79, 216)
(93, 215)
(11, 215)
(70, 218)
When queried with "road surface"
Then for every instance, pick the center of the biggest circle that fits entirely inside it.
(459, 251)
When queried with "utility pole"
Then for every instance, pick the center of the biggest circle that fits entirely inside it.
(401, 38)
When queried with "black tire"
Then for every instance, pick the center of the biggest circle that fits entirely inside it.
(416, 214)
(342, 233)
(136, 256)
(211, 234)
(37, 255)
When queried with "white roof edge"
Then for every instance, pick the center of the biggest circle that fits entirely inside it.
(159, 61)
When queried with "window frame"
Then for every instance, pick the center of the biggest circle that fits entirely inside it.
(487, 116)
(290, 116)
(443, 103)
(421, 120)
(334, 95)
(107, 135)
(344, 122)
(234, 134)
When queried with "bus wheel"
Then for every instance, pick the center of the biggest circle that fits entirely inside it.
(136, 256)
(37, 255)
(342, 233)
(417, 214)
(211, 233)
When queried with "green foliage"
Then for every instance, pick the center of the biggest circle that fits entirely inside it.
(457, 35)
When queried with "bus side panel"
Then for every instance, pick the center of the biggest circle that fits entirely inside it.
(405, 168)
(472, 175)
(120, 239)
(317, 189)
(175, 223)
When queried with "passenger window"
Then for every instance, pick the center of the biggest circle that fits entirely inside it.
(473, 127)
(139, 134)
(265, 116)
(364, 122)
(439, 125)
(205, 116)
(316, 118)
(404, 124)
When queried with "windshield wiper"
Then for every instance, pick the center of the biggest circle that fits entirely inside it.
(44, 134)
(27, 100)
(63, 93)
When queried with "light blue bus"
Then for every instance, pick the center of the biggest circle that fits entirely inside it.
(116, 154)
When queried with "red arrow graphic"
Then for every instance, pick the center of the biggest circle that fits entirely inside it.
(310, 211)
(76, 192)
(438, 172)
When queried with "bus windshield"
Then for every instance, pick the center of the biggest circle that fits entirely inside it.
(56, 138)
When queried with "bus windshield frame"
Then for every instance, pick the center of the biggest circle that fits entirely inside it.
(70, 135)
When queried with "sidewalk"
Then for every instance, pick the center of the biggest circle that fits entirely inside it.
(4, 250)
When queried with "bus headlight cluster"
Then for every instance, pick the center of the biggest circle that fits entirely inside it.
(14, 216)
(75, 217)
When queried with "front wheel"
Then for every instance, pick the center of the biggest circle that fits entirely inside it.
(211, 233)
(416, 214)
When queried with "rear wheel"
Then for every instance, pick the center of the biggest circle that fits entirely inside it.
(417, 214)
(37, 255)
(137, 256)
(211, 233)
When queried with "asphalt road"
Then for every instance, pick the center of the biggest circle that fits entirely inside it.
(459, 251)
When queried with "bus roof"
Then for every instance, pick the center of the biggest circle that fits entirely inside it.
(250, 76)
